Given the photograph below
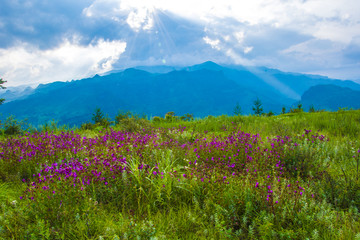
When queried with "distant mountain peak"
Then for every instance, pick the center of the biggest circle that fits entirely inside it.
(209, 65)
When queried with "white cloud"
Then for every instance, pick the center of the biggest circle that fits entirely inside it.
(102, 9)
(239, 36)
(26, 64)
(336, 31)
(328, 19)
(140, 19)
(138, 14)
(213, 43)
(248, 49)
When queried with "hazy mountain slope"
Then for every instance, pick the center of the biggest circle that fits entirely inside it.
(272, 81)
(14, 93)
(331, 97)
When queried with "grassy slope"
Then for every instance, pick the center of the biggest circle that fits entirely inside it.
(143, 205)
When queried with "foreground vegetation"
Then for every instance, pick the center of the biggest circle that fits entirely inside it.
(291, 176)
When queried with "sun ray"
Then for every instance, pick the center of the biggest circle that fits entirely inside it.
(166, 39)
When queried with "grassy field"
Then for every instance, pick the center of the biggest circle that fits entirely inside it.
(290, 176)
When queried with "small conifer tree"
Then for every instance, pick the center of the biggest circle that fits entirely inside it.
(237, 110)
(257, 108)
(99, 118)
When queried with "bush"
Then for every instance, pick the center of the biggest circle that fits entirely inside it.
(270, 113)
(13, 126)
(131, 122)
(123, 115)
(299, 108)
(188, 117)
(87, 126)
(312, 109)
(157, 119)
(170, 117)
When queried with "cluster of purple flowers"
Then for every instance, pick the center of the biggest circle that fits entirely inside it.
(72, 160)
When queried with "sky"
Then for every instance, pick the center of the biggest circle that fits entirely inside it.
(42, 41)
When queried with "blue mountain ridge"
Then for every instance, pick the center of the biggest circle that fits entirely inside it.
(331, 97)
(204, 89)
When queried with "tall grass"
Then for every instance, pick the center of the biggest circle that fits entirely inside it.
(291, 176)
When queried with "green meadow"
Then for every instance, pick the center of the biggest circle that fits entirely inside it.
(289, 176)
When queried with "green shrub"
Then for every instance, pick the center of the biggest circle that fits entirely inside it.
(121, 115)
(170, 117)
(87, 126)
(312, 109)
(157, 119)
(270, 113)
(13, 126)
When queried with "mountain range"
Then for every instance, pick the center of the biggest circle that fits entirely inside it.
(16, 93)
(204, 89)
(331, 97)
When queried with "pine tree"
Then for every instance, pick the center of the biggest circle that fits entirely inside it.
(257, 108)
(98, 116)
(237, 110)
